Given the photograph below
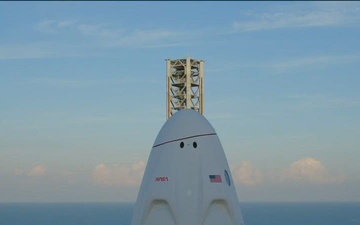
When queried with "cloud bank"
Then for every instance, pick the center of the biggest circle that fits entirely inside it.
(310, 170)
(304, 171)
(109, 36)
(119, 175)
(247, 174)
(36, 171)
(320, 17)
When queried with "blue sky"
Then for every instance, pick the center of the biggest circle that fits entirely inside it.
(82, 95)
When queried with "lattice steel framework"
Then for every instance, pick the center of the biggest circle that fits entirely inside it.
(185, 85)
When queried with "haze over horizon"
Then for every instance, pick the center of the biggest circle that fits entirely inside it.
(83, 95)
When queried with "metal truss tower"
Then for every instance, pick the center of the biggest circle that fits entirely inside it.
(185, 85)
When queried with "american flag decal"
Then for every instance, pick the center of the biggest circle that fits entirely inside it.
(215, 179)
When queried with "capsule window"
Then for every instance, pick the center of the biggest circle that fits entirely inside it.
(194, 144)
(181, 144)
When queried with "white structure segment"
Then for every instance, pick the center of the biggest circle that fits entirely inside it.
(187, 180)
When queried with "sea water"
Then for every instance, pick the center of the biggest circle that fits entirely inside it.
(121, 213)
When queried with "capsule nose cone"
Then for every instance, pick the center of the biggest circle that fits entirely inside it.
(184, 123)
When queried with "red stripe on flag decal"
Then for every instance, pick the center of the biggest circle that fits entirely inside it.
(215, 179)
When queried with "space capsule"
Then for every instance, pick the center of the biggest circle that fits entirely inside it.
(187, 180)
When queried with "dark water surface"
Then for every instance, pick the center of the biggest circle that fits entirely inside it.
(121, 213)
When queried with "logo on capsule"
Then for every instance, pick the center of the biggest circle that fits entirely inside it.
(161, 179)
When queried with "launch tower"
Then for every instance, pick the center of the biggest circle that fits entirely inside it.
(185, 85)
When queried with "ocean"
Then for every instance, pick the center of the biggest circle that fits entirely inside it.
(121, 213)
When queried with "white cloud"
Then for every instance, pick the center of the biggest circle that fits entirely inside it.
(152, 38)
(88, 39)
(80, 83)
(40, 50)
(319, 17)
(247, 174)
(310, 170)
(315, 60)
(36, 171)
(102, 174)
(304, 171)
(284, 65)
(54, 26)
(22, 51)
(139, 166)
(56, 82)
(109, 36)
(119, 175)
(320, 101)
(103, 32)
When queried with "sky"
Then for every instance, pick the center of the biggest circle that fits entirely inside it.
(83, 95)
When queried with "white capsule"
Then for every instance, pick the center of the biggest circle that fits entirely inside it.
(187, 180)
